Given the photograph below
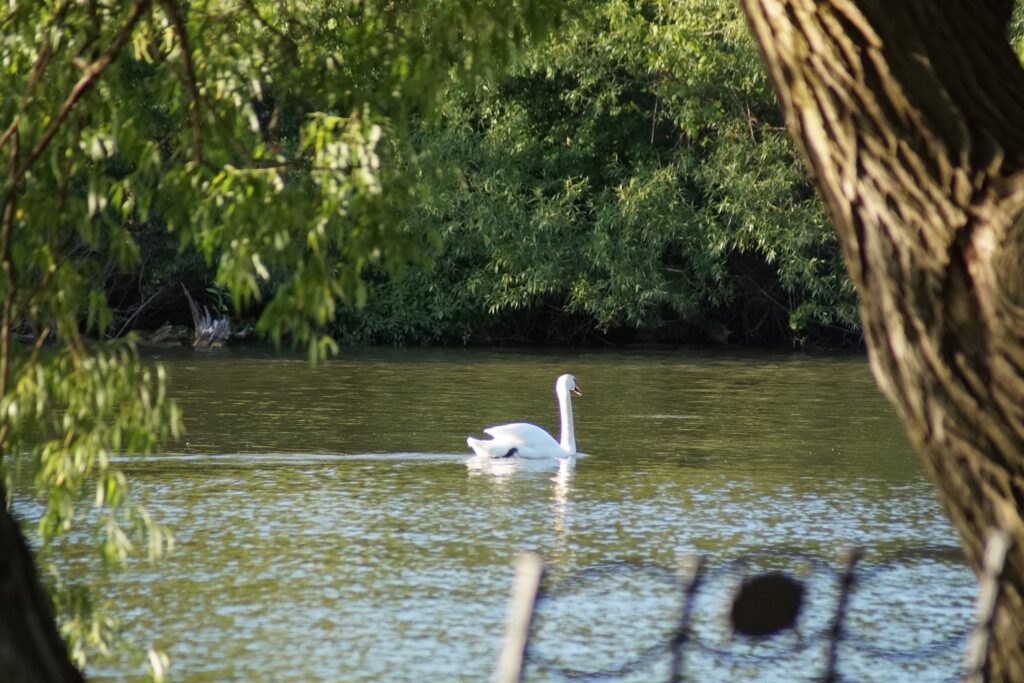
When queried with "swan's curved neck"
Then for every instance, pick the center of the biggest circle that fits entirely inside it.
(568, 442)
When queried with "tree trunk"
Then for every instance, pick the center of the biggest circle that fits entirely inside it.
(910, 116)
(31, 649)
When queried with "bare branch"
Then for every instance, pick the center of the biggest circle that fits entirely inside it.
(138, 310)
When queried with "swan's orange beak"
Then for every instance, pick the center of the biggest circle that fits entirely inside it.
(577, 391)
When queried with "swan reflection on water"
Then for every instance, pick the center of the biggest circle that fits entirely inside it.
(502, 469)
(562, 489)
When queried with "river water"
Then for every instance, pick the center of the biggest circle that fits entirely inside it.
(329, 528)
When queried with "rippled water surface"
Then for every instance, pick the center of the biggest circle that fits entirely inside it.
(328, 527)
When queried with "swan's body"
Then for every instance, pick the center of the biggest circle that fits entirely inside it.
(525, 440)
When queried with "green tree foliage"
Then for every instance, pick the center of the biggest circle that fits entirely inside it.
(631, 172)
(267, 138)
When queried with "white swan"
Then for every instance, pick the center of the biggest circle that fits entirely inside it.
(530, 441)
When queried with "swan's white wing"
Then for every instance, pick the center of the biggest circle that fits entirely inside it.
(521, 434)
(529, 441)
(492, 448)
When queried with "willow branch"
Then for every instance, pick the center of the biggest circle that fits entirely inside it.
(5, 427)
(191, 82)
(226, 131)
(253, 10)
(91, 73)
(9, 132)
(45, 52)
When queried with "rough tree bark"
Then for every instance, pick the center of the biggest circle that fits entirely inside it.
(910, 116)
(31, 648)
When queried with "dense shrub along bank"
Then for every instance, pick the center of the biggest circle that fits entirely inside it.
(628, 179)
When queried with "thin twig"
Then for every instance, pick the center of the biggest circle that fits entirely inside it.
(654, 119)
(691, 567)
(139, 310)
(836, 631)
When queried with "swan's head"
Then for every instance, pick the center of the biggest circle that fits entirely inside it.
(566, 384)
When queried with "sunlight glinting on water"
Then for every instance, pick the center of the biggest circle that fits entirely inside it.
(330, 524)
